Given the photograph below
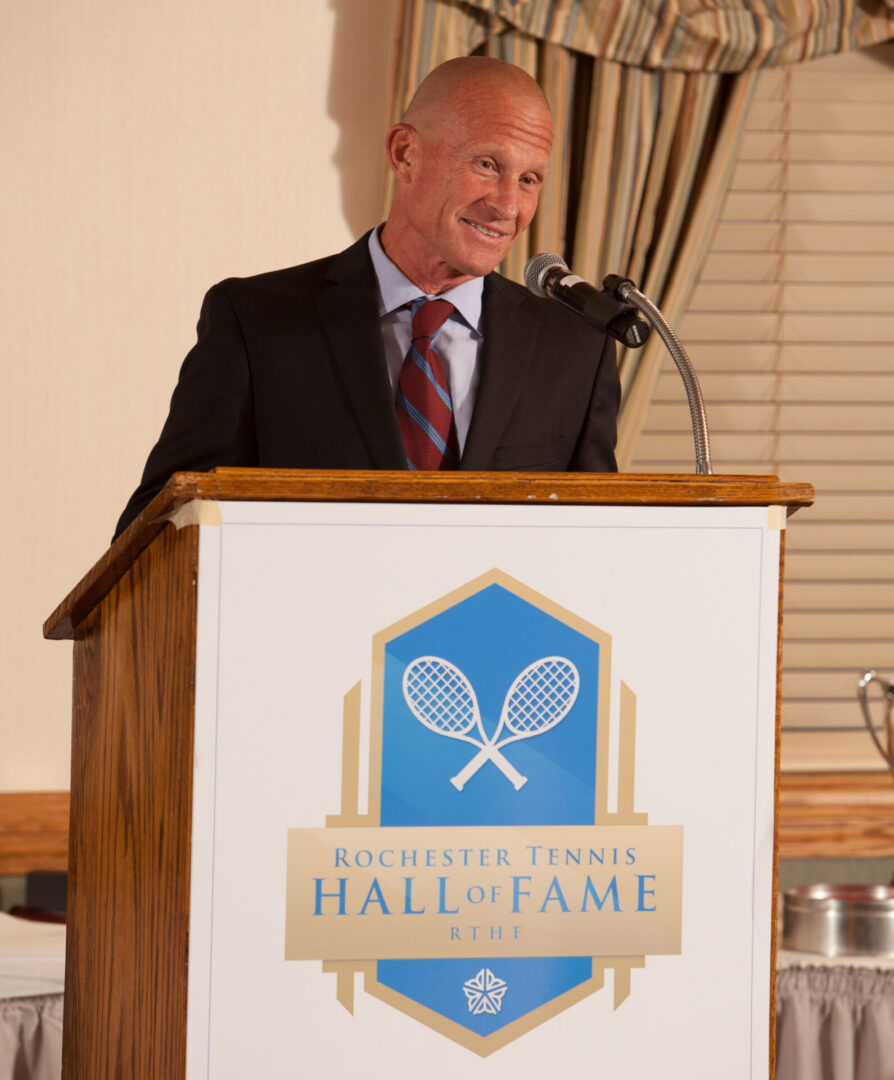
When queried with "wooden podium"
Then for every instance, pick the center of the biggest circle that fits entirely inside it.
(220, 647)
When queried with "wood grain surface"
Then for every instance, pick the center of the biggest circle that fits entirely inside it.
(836, 815)
(821, 815)
(33, 831)
(131, 792)
(295, 485)
(133, 619)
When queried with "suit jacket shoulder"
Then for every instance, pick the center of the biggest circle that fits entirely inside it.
(549, 391)
(288, 371)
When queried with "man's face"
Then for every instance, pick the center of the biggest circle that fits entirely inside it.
(473, 180)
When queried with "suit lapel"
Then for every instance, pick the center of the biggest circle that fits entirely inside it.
(350, 319)
(510, 342)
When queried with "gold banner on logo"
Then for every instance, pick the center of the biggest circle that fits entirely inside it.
(489, 891)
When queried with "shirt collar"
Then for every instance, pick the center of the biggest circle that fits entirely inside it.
(396, 290)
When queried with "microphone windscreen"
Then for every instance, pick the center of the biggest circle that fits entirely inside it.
(537, 267)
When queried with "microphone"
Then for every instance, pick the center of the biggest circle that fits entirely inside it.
(548, 275)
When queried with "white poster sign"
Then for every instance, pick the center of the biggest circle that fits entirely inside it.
(483, 791)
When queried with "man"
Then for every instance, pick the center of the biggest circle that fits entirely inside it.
(305, 367)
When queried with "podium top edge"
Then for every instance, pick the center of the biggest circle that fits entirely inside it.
(659, 489)
(301, 485)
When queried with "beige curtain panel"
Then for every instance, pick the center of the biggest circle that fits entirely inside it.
(650, 101)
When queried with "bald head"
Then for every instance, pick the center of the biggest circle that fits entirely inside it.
(470, 156)
(450, 85)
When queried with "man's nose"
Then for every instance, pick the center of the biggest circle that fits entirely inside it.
(503, 197)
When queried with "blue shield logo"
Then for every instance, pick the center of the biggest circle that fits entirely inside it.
(490, 716)
(487, 886)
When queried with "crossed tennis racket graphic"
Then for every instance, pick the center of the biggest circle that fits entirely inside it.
(442, 699)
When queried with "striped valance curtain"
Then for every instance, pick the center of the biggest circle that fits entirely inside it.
(650, 100)
(696, 35)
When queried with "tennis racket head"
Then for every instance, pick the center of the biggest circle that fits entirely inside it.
(541, 696)
(440, 696)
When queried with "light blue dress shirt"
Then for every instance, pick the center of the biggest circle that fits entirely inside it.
(458, 342)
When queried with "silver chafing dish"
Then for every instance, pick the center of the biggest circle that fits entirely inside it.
(839, 920)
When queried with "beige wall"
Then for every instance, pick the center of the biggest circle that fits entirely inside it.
(149, 150)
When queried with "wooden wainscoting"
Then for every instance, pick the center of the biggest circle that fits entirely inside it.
(821, 816)
(836, 815)
(33, 831)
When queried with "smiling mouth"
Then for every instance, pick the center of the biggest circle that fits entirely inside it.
(491, 234)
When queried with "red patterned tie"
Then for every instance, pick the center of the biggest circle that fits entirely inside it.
(424, 409)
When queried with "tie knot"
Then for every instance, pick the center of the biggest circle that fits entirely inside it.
(430, 316)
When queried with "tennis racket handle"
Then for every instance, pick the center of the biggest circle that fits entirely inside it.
(488, 753)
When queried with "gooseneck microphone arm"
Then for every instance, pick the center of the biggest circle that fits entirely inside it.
(624, 289)
(613, 310)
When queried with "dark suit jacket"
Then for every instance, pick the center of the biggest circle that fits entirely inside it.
(289, 372)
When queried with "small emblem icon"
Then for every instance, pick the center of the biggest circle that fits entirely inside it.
(485, 992)
(442, 699)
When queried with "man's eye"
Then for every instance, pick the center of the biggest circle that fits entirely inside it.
(485, 164)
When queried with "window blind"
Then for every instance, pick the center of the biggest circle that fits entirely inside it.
(791, 328)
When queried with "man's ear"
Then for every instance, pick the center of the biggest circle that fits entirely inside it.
(401, 149)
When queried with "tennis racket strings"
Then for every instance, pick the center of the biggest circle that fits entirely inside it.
(541, 696)
(441, 698)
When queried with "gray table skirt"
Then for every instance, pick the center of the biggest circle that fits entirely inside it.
(31, 1038)
(831, 1024)
(834, 1023)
